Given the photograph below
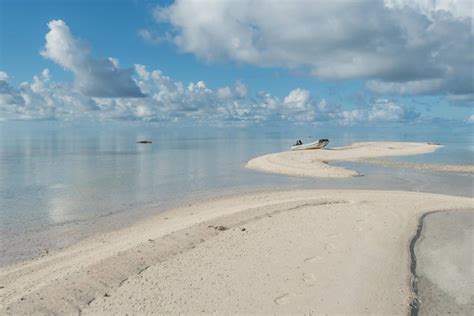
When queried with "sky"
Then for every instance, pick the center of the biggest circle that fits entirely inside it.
(237, 63)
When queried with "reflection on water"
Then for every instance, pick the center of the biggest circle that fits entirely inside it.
(58, 185)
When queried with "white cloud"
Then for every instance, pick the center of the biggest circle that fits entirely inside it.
(298, 100)
(224, 93)
(102, 91)
(241, 89)
(408, 87)
(3, 76)
(458, 8)
(152, 38)
(42, 99)
(172, 101)
(96, 78)
(381, 111)
(406, 47)
(298, 105)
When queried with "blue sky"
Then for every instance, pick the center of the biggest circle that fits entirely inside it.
(119, 22)
(294, 60)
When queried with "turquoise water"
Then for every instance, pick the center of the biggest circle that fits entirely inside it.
(59, 184)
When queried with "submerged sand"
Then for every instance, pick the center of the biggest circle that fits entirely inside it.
(444, 267)
(306, 251)
(314, 163)
(460, 169)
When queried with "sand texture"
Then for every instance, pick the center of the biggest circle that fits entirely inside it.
(306, 251)
(314, 163)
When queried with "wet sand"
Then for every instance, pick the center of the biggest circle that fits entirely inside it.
(444, 267)
(305, 251)
(316, 163)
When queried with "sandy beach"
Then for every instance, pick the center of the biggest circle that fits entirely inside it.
(320, 251)
(316, 163)
(225, 157)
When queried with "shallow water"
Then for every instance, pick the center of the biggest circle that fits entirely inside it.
(444, 271)
(60, 184)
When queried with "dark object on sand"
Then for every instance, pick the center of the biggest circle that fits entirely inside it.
(144, 142)
(221, 228)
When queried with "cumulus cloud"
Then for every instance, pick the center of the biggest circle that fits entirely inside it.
(403, 47)
(102, 92)
(194, 103)
(3, 76)
(241, 89)
(381, 111)
(298, 100)
(42, 99)
(93, 77)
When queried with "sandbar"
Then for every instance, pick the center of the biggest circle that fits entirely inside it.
(301, 251)
(315, 163)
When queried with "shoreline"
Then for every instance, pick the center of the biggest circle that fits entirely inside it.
(122, 219)
(424, 270)
(415, 303)
(69, 233)
(144, 212)
(186, 230)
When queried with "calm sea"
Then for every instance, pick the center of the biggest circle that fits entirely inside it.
(60, 184)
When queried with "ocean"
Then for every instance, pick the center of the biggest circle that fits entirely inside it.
(60, 183)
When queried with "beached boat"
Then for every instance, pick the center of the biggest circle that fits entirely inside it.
(314, 145)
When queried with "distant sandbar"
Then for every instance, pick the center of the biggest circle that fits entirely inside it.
(314, 163)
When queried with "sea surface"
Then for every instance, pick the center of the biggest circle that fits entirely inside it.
(60, 183)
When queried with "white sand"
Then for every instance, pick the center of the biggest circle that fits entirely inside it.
(314, 163)
(323, 251)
